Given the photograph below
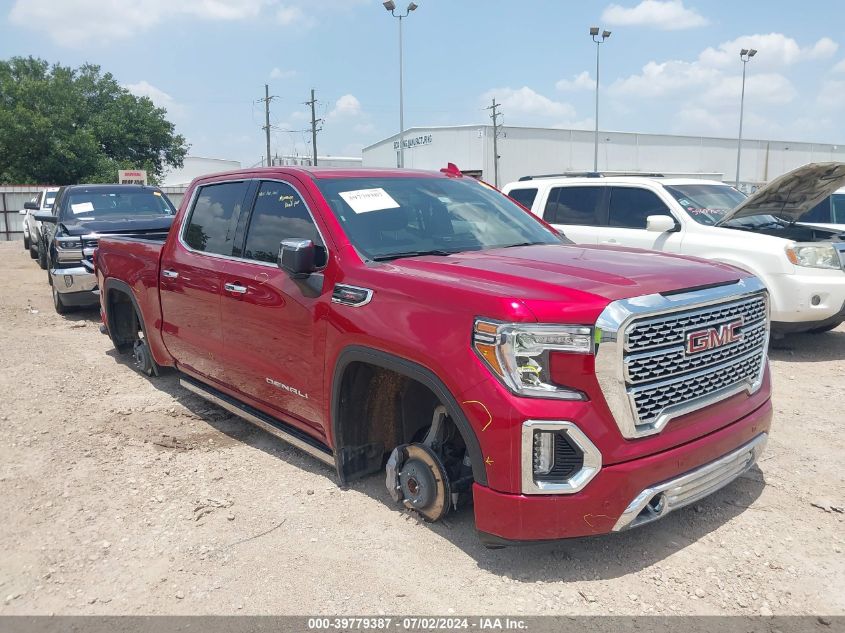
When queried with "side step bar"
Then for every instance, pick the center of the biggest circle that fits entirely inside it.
(275, 427)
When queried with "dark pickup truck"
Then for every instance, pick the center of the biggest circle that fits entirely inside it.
(82, 214)
(424, 326)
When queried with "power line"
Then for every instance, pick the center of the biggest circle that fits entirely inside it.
(496, 131)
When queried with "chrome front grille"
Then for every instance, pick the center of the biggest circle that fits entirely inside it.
(661, 357)
(666, 330)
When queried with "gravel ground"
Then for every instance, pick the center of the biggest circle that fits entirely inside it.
(123, 495)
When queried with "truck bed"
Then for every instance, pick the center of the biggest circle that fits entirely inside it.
(134, 262)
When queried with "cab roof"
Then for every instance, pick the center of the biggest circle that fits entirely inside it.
(318, 173)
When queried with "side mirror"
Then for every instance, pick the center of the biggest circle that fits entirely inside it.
(661, 224)
(45, 216)
(32, 206)
(296, 257)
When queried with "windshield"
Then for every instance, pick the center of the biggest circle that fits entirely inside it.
(837, 208)
(51, 198)
(90, 205)
(402, 217)
(706, 204)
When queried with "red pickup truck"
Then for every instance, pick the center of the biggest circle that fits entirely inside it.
(425, 326)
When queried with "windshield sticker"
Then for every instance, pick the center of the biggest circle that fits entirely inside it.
(366, 200)
(695, 211)
(156, 193)
(288, 200)
(82, 207)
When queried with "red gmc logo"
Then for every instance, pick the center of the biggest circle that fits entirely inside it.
(713, 337)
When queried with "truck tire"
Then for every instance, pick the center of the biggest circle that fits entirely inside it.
(60, 307)
(26, 242)
(33, 250)
(42, 255)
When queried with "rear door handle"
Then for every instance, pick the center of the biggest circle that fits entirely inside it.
(170, 274)
(236, 288)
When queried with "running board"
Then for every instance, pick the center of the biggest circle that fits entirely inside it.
(274, 427)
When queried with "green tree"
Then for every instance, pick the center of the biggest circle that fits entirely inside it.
(61, 125)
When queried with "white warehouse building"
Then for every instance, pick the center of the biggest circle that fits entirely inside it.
(527, 151)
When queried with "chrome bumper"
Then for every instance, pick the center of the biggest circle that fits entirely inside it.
(76, 279)
(659, 500)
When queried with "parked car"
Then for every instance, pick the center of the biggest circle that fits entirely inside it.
(32, 227)
(829, 213)
(425, 327)
(80, 215)
(802, 266)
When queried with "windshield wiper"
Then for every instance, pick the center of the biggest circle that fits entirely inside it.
(389, 256)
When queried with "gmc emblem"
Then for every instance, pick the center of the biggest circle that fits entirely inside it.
(713, 337)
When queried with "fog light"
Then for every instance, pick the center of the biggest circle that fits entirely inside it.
(544, 452)
(68, 281)
(816, 300)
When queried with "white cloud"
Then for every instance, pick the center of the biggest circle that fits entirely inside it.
(278, 73)
(659, 79)
(774, 50)
(289, 14)
(668, 15)
(831, 95)
(581, 81)
(839, 67)
(70, 22)
(524, 102)
(346, 106)
(159, 97)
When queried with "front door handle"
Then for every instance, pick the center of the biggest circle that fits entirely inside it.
(170, 274)
(236, 288)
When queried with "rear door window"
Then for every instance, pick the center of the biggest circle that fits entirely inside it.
(525, 197)
(630, 206)
(574, 205)
(214, 217)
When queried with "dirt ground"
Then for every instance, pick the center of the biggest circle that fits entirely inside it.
(123, 495)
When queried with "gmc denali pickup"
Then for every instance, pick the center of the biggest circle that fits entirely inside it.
(425, 326)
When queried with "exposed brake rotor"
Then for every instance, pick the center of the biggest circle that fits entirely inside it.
(416, 476)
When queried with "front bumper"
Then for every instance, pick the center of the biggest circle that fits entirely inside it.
(76, 285)
(607, 503)
(803, 300)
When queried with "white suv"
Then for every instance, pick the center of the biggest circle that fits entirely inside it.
(32, 227)
(803, 266)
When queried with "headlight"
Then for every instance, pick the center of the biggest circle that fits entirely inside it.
(813, 255)
(519, 354)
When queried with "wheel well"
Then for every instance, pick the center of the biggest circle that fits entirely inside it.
(377, 409)
(124, 324)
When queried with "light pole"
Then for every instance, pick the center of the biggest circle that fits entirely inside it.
(744, 55)
(390, 5)
(594, 32)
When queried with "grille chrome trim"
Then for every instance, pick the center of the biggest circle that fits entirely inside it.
(659, 500)
(591, 464)
(697, 309)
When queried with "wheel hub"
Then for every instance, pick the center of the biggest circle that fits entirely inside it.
(421, 481)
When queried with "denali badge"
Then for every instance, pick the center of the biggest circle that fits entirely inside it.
(713, 337)
(288, 388)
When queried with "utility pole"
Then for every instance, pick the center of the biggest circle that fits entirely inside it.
(496, 130)
(314, 130)
(267, 99)
(594, 33)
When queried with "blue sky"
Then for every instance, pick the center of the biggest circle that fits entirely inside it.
(669, 66)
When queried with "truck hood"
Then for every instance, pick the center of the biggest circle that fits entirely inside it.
(549, 272)
(152, 224)
(793, 194)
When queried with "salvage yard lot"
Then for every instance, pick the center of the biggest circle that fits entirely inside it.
(123, 495)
